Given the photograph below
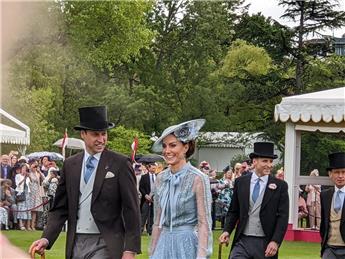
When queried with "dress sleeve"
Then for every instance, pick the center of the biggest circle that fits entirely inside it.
(156, 231)
(201, 188)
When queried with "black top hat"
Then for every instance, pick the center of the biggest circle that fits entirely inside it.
(263, 149)
(336, 160)
(94, 118)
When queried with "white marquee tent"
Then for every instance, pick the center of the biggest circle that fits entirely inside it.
(10, 135)
(322, 111)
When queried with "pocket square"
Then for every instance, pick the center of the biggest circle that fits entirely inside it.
(109, 175)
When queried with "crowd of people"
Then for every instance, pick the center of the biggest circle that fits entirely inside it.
(109, 202)
(27, 188)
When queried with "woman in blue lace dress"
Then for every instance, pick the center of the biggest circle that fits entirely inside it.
(182, 199)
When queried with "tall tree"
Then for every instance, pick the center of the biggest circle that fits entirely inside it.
(311, 16)
(107, 33)
(267, 33)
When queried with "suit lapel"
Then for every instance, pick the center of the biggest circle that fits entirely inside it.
(328, 205)
(246, 192)
(102, 169)
(268, 192)
(75, 177)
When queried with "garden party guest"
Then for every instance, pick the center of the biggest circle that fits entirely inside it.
(36, 193)
(313, 202)
(25, 204)
(182, 198)
(97, 195)
(332, 228)
(259, 209)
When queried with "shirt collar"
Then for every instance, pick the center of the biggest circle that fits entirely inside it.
(97, 156)
(255, 177)
(341, 189)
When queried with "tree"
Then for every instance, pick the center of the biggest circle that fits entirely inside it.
(315, 149)
(192, 39)
(264, 32)
(245, 60)
(312, 16)
(121, 138)
(107, 33)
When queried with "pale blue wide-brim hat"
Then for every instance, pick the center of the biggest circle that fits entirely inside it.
(185, 132)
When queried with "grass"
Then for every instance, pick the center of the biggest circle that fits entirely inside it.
(288, 250)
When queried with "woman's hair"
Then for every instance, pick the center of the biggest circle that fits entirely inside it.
(48, 158)
(24, 164)
(191, 148)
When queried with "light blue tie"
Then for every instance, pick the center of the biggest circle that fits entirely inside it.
(89, 168)
(337, 201)
(256, 190)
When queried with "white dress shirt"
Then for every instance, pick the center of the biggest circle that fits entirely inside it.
(253, 180)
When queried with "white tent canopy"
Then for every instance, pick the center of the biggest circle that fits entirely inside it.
(10, 135)
(324, 106)
(322, 111)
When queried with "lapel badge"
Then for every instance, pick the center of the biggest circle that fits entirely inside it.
(272, 186)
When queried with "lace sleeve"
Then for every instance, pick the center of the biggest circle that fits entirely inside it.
(156, 231)
(202, 191)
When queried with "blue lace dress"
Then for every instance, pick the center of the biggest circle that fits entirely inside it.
(182, 224)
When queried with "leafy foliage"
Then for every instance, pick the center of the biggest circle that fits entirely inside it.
(155, 64)
(107, 32)
(120, 140)
(244, 59)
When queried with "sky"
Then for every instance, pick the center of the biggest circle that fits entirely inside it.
(271, 8)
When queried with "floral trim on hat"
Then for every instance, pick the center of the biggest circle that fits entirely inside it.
(186, 133)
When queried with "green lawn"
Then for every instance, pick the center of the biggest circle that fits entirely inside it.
(289, 250)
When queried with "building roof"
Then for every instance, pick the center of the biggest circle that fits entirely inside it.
(228, 139)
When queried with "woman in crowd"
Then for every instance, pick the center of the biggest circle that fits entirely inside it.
(7, 199)
(204, 167)
(224, 198)
(280, 174)
(50, 183)
(14, 160)
(23, 185)
(45, 165)
(182, 199)
(238, 170)
(36, 191)
(313, 202)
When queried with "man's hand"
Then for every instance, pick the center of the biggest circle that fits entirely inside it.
(148, 198)
(272, 249)
(39, 246)
(128, 255)
(224, 238)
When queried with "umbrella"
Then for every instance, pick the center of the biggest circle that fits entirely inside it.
(72, 143)
(150, 158)
(51, 155)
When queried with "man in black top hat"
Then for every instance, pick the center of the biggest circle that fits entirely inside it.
(259, 209)
(332, 228)
(97, 196)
